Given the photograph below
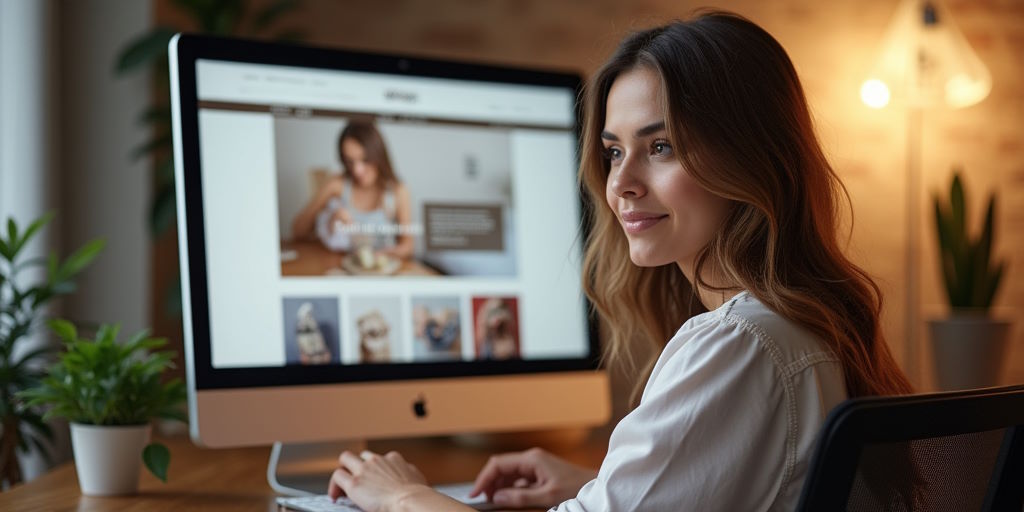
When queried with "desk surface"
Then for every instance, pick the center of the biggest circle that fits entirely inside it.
(235, 479)
(311, 258)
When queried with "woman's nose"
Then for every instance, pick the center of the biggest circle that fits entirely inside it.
(624, 180)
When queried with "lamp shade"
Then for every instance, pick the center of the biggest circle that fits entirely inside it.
(925, 61)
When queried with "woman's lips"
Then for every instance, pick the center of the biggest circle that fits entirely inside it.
(634, 222)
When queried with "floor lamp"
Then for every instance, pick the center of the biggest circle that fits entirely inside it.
(924, 63)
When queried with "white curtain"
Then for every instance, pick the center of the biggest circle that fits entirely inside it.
(27, 94)
(28, 142)
(67, 128)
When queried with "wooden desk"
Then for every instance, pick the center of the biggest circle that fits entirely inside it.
(311, 258)
(235, 479)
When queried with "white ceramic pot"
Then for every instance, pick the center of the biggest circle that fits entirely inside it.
(968, 350)
(108, 458)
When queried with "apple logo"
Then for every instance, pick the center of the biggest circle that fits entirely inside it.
(419, 407)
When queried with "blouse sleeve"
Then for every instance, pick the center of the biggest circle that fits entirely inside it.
(709, 434)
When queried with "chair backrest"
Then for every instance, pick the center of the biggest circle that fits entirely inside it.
(961, 450)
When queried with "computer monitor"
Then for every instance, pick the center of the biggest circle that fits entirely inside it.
(377, 246)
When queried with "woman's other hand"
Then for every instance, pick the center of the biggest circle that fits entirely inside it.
(341, 215)
(375, 482)
(534, 478)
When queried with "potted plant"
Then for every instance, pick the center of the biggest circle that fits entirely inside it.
(110, 391)
(22, 302)
(969, 344)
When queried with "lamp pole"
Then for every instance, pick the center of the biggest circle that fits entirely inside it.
(912, 254)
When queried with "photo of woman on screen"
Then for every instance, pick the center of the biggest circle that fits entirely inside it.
(361, 210)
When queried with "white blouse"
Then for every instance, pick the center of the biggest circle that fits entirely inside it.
(728, 420)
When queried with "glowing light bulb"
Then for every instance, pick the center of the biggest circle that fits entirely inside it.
(874, 93)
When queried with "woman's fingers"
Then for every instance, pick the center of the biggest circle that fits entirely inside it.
(524, 497)
(340, 479)
(485, 479)
(507, 467)
(348, 464)
(350, 461)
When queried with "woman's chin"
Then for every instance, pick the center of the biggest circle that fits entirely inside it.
(646, 259)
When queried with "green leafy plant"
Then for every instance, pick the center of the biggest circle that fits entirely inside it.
(970, 275)
(149, 51)
(103, 382)
(21, 307)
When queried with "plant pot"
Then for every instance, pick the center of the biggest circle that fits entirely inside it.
(968, 351)
(108, 458)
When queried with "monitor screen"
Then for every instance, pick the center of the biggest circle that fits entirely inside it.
(349, 218)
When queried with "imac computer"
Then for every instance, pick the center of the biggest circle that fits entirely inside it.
(377, 246)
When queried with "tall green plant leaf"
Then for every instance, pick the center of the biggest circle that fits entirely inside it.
(144, 49)
(80, 258)
(12, 233)
(985, 240)
(159, 115)
(64, 330)
(958, 210)
(160, 142)
(34, 227)
(966, 261)
(164, 209)
(165, 172)
(992, 282)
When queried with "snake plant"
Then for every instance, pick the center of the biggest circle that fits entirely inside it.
(969, 272)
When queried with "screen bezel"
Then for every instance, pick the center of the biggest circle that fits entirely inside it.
(189, 49)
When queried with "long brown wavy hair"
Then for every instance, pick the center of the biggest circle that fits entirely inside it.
(738, 118)
(367, 135)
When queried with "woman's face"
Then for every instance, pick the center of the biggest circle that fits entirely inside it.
(666, 215)
(353, 156)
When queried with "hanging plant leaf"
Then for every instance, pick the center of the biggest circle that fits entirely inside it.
(163, 211)
(144, 49)
(157, 457)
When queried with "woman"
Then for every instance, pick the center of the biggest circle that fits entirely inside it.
(720, 213)
(365, 205)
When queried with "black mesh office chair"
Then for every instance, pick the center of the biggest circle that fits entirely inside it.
(958, 451)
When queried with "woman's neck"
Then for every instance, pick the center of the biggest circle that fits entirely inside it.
(717, 291)
(713, 299)
(364, 188)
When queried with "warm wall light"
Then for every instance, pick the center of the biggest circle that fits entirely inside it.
(926, 62)
(874, 93)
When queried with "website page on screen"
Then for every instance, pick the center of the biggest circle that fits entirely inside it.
(355, 218)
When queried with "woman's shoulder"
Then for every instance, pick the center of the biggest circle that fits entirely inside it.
(745, 323)
(748, 342)
(398, 189)
(334, 185)
(792, 340)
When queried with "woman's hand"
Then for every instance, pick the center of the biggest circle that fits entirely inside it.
(341, 215)
(534, 478)
(375, 482)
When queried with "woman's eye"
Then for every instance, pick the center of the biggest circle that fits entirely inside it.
(661, 148)
(612, 154)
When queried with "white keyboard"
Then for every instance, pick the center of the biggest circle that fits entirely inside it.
(321, 503)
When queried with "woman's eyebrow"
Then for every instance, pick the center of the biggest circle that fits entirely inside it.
(649, 129)
(642, 132)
